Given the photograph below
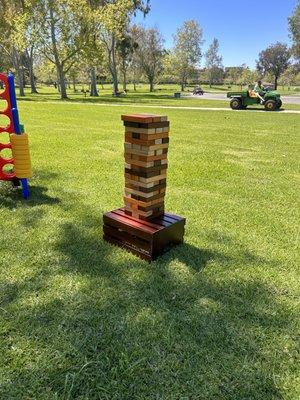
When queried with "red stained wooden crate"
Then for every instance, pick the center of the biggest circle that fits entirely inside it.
(147, 239)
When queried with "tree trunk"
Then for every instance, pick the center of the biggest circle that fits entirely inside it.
(134, 86)
(113, 67)
(115, 81)
(62, 82)
(276, 82)
(21, 82)
(124, 80)
(58, 64)
(30, 68)
(74, 84)
(58, 81)
(16, 59)
(151, 85)
(182, 86)
(93, 91)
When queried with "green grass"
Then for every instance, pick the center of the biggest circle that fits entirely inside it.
(163, 95)
(214, 319)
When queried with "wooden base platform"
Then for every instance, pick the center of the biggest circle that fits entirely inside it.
(147, 239)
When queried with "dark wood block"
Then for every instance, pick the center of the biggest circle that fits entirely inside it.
(145, 137)
(161, 185)
(147, 174)
(147, 239)
(159, 166)
(146, 199)
(146, 142)
(147, 125)
(143, 160)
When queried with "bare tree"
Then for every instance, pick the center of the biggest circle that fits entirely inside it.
(150, 52)
(213, 62)
(186, 55)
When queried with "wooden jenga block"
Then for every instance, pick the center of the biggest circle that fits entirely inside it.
(145, 150)
(144, 118)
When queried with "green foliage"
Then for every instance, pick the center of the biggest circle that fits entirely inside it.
(248, 77)
(150, 52)
(275, 60)
(233, 74)
(294, 26)
(290, 76)
(186, 53)
(213, 62)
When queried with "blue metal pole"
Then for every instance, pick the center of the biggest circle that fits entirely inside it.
(17, 127)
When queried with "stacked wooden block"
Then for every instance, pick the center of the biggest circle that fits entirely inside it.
(146, 148)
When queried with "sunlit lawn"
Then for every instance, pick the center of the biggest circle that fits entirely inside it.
(214, 319)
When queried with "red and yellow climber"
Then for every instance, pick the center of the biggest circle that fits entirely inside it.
(18, 140)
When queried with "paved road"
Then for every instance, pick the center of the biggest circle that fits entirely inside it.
(222, 96)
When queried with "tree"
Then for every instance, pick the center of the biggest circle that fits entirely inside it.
(247, 77)
(26, 35)
(13, 49)
(213, 61)
(294, 27)
(150, 52)
(186, 54)
(275, 60)
(63, 32)
(115, 16)
(126, 48)
(233, 74)
(289, 76)
(135, 68)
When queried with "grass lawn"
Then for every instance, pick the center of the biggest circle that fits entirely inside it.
(214, 319)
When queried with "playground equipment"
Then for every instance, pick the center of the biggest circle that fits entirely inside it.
(240, 100)
(16, 167)
(142, 226)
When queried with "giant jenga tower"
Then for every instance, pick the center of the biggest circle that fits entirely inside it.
(143, 226)
(146, 163)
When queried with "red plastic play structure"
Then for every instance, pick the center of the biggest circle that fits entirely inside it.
(5, 95)
(16, 167)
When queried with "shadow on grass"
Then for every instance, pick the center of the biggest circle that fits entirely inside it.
(12, 197)
(103, 324)
(262, 109)
(142, 98)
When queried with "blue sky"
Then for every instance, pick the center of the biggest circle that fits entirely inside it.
(243, 27)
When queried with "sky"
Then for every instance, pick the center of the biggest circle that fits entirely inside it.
(243, 27)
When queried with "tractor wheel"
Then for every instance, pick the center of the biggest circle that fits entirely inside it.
(236, 103)
(279, 104)
(270, 105)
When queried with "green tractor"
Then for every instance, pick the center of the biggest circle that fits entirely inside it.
(269, 98)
